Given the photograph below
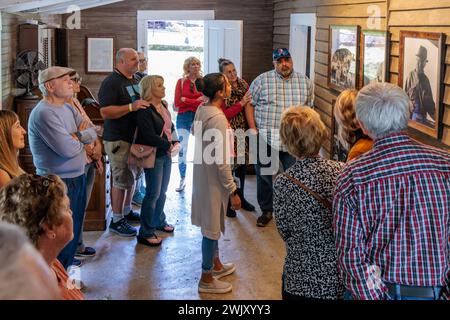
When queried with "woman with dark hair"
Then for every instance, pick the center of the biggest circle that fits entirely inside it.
(41, 207)
(213, 184)
(12, 138)
(233, 108)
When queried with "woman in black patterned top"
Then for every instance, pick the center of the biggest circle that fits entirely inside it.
(303, 219)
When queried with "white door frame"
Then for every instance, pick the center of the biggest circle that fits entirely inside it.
(145, 15)
(305, 19)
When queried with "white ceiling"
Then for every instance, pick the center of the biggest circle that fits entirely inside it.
(50, 6)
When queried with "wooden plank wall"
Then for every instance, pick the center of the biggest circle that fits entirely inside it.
(422, 15)
(9, 40)
(343, 12)
(120, 19)
(395, 15)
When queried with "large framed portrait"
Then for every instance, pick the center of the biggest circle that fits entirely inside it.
(343, 56)
(338, 151)
(100, 52)
(375, 46)
(420, 75)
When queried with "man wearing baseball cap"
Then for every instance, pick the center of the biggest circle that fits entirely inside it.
(272, 93)
(57, 134)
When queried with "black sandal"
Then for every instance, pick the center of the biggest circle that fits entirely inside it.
(167, 228)
(145, 242)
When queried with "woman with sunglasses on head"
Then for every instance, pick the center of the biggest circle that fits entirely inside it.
(41, 207)
(93, 165)
(187, 100)
(233, 107)
(12, 139)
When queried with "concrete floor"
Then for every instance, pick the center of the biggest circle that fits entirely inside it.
(123, 269)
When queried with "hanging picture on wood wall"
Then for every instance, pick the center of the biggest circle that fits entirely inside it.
(100, 52)
(421, 76)
(374, 57)
(343, 57)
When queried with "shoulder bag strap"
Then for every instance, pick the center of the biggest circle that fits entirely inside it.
(318, 197)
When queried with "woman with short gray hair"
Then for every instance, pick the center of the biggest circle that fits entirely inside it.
(302, 209)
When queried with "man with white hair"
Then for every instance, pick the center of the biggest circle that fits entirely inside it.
(57, 134)
(24, 274)
(391, 207)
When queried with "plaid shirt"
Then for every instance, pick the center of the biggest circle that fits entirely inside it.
(271, 95)
(392, 218)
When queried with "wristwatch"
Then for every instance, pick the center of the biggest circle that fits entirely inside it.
(78, 134)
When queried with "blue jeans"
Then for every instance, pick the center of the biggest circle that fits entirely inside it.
(89, 170)
(210, 250)
(264, 184)
(76, 191)
(152, 210)
(184, 124)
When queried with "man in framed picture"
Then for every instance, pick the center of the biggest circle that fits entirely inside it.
(418, 88)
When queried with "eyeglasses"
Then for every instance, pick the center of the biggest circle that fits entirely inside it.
(42, 183)
(76, 80)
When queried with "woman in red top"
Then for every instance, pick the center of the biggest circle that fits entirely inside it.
(187, 100)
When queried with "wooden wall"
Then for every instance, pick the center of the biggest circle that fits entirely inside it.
(422, 15)
(9, 40)
(395, 15)
(120, 19)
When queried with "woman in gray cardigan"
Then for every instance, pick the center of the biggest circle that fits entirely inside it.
(213, 183)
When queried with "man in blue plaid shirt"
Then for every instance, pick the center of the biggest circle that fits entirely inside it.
(272, 93)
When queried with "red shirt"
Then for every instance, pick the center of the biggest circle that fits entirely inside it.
(185, 88)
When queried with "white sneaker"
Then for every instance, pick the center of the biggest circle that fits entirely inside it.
(181, 186)
(228, 268)
(216, 286)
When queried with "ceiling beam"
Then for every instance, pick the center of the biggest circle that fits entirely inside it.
(83, 4)
(7, 3)
(32, 5)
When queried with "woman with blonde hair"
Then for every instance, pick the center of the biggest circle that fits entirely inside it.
(350, 134)
(12, 139)
(155, 129)
(302, 209)
(40, 206)
(187, 100)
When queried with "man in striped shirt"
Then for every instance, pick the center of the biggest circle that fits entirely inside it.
(392, 209)
(272, 93)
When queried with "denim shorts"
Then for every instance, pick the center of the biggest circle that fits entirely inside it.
(123, 176)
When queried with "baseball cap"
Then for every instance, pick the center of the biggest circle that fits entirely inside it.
(54, 73)
(280, 53)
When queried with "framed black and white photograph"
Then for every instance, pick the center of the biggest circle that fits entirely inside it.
(374, 57)
(100, 52)
(421, 76)
(338, 151)
(343, 57)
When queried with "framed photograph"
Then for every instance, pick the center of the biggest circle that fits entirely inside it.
(421, 76)
(374, 57)
(338, 152)
(100, 52)
(343, 56)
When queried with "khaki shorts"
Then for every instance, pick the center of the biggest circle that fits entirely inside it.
(123, 176)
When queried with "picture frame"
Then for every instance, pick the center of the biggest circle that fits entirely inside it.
(343, 57)
(337, 152)
(421, 62)
(374, 60)
(100, 51)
